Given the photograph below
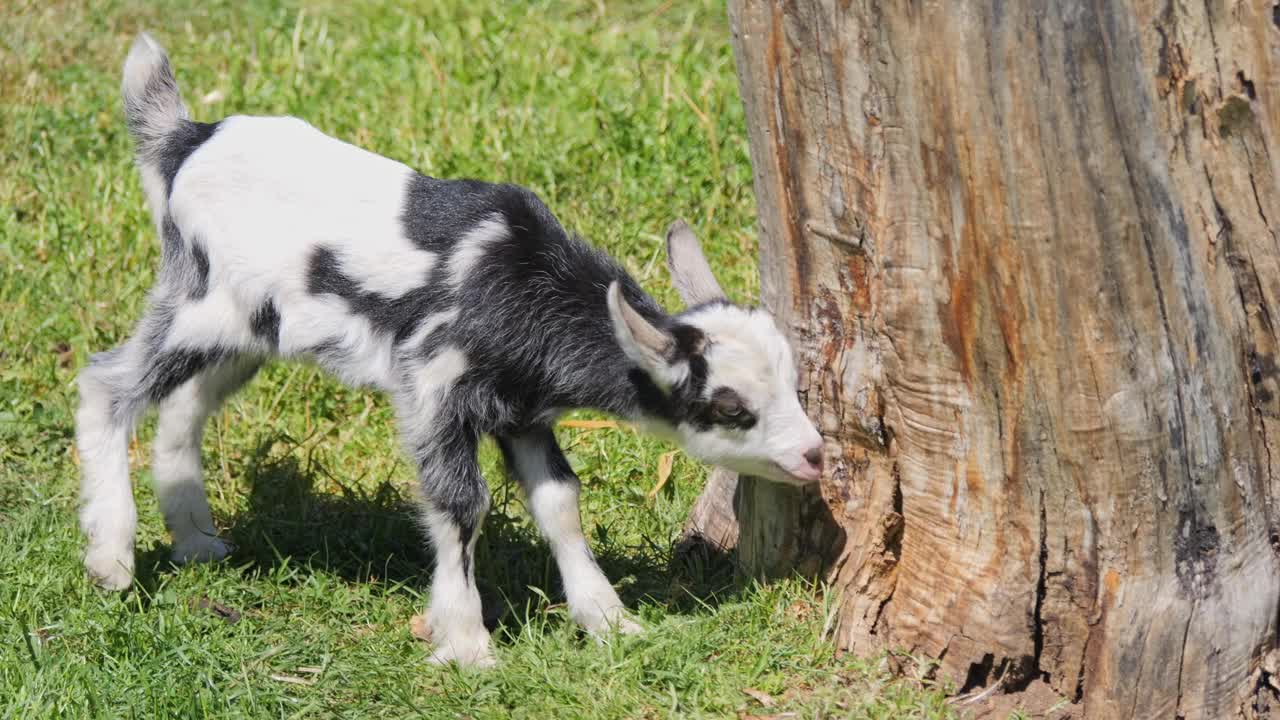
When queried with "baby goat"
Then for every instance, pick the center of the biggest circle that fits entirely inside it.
(465, 301)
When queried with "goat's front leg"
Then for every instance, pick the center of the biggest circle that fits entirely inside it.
(552, 489)
(455, 500)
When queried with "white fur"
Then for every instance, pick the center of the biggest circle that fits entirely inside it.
(144, 61)
(214, 319)
(108, 516)
(648, 356)
(748, 353)
(392, 272)
(436, 375)
(690, 272)
(455, 616)
(473, 245)
(429, 325)
(249, 197)
(251, 194)
(553, 502)
(364, 358)
(176, 464)
(176, 467)
(153, 187)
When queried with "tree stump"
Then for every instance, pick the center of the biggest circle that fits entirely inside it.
(1027, 255)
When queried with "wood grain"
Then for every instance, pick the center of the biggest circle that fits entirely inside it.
(1028, 254)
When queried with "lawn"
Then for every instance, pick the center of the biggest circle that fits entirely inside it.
(622, 116)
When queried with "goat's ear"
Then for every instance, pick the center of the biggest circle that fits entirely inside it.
(645, 344)
(689, 269)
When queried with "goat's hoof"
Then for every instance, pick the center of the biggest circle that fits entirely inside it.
(199, 548)
(419, 628)
(614, 620)
(466, 650)
(442, 656)
(109, 569)
(626, 626)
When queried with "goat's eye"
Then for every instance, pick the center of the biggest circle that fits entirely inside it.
(727, 408)
(733, 409)
(730, 408)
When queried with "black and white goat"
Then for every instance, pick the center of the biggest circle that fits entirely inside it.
(466, 301)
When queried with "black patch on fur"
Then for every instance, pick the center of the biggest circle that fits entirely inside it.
(683, 404)
(689, 343)
(200, 278)
(170, 242)
(557, 463)
(171, 368)
(650, 400)
(183, 264)
(398, 316)
(534, 323)
(325, 276)
(177, 146)
(698, 372)
(265, 323)
(438, 213)
(451, 481)
(164, 370)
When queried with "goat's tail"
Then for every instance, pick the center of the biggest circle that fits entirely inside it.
(153, 106)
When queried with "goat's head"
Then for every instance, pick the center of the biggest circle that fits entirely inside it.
(724, 373)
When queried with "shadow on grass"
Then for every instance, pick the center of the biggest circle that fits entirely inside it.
(312, 520)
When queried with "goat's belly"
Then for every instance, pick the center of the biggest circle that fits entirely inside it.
(323, 330)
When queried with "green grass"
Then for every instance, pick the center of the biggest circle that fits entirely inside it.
(622, 116)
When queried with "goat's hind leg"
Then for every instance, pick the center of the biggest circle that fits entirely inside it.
(115, 389)
(104, 423)
(176, 459)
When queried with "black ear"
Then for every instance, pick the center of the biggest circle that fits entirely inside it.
(687, 342)
(690, 272)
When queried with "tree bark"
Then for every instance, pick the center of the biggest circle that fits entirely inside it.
(712, 521)
(1028, 256)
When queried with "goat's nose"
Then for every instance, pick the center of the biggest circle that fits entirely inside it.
(814, 456)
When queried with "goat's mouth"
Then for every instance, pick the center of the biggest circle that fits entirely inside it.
(774, 471)
(802, 474)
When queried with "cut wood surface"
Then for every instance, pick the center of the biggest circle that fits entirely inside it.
(1028, 255)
